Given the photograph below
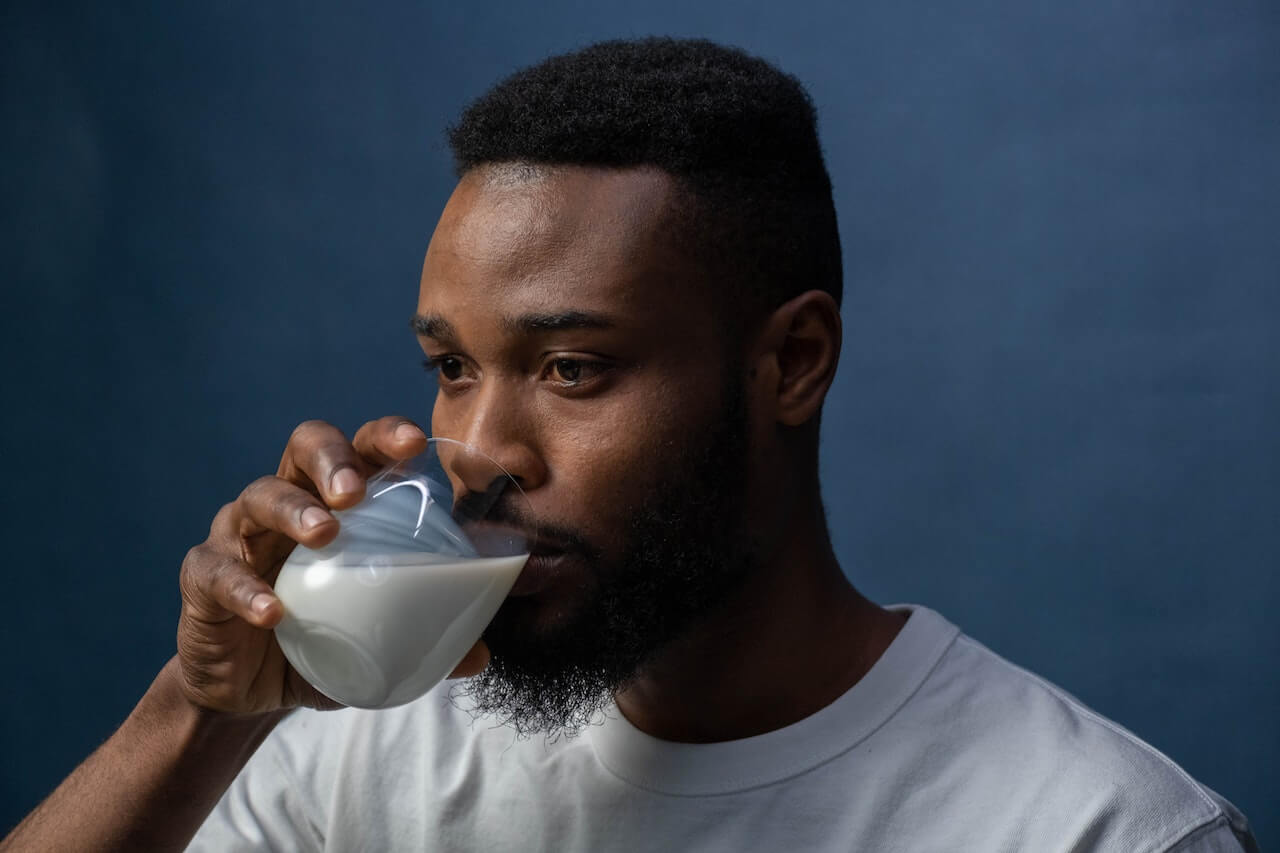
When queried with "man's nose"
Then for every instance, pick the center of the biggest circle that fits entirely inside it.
(499, 427)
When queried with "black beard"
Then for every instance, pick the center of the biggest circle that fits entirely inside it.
(686, 552)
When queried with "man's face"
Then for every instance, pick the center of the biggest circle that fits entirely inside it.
(578, 349)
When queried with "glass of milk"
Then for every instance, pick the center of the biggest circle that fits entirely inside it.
(380, 615)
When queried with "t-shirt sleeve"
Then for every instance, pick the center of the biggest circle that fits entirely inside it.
(271, 803)
(1217, 837)
(1229, 832)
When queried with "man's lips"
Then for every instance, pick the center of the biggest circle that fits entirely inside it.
(539, 571)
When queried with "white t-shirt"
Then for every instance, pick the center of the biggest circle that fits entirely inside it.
(942, 746)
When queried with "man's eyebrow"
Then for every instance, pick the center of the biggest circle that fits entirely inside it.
(431, 326)
(437, 327)
(558, 321)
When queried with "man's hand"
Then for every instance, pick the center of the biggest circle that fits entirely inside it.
(154, 781)
(228, 657)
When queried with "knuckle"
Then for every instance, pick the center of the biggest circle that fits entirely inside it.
(258, 490)
(329, 451)
(308, 431)
(194, 566)
(220, 580)
(237, 585)
(335, 452)
(222, 519)
(185, 573)
(194, 554)
(202, 578)
(284, 507)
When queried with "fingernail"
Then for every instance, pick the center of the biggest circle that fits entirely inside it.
(261, 602)
(346, 482)
(314, 516)
(408, 432)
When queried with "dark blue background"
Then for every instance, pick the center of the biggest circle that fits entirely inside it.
(1057, 416)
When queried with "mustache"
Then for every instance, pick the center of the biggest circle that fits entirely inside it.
(496, 511)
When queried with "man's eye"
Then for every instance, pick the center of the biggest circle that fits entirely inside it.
(567, 370)
(575, 371)
(450, 368)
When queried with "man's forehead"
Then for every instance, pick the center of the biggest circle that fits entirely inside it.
(560, 233)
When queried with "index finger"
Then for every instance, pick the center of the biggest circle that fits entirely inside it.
(319, 459)
(389, 440)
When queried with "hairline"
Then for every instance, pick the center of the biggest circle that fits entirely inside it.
(687, 202)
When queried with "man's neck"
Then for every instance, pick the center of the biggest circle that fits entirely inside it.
(794, 639)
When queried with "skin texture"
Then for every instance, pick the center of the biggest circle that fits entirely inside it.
(581, 243)
(582, 416)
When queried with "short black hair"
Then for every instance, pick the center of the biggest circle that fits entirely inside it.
(739, 135)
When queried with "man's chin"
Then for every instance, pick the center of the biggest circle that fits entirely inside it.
(550, 670)
(536, 695)
(536, 620)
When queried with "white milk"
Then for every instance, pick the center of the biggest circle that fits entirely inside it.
(383, 632)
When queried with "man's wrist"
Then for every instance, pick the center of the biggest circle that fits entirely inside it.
(168, 707)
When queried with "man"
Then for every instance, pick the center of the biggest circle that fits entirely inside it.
(631, 302)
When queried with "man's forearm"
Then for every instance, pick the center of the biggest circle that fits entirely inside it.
(151, 785)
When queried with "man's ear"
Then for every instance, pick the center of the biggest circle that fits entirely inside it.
(799, 350)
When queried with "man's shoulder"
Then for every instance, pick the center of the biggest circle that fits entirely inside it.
(1030, 718)
(1006, 736)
